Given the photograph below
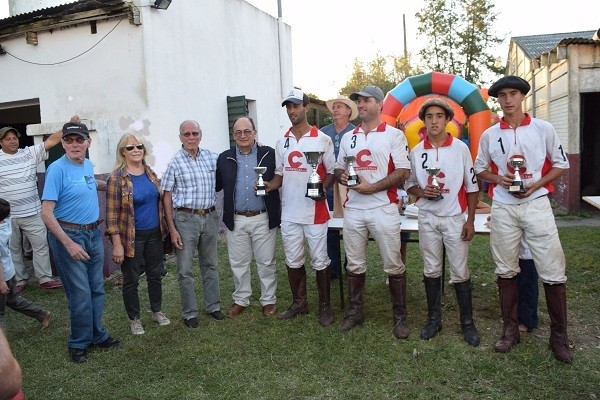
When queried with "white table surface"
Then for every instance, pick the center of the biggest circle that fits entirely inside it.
(412, 224)
(593, 200)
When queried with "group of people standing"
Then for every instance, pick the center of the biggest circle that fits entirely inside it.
(143, 211)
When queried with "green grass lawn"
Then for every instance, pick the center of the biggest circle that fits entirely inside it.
(250, 357)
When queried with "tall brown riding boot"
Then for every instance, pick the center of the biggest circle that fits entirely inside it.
(297, 278)
(398, 292)
(508, 308)
(556, 300)
(433, 293)
(356, 288)
(465, 304)
(323, 287)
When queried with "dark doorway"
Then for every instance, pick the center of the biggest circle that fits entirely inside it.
(590, 144)
(19, 114)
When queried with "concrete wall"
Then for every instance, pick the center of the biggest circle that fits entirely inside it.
(181, 63)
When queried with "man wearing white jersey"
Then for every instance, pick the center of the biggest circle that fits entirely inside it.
(381, 162)
(442, 219)
(525, 213)
(301, 216)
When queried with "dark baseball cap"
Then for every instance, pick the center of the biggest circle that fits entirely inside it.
(75, 128)
(368, 91)
(7, 129)
(509, 81)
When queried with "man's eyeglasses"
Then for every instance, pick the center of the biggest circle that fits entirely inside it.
(69, 140)
(194, 134)
(130, 147)
(246, 132)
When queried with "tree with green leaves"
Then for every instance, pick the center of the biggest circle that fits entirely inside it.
(383, 71)
(460, 33)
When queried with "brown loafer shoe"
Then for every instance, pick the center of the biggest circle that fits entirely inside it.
(269, 310)
(235, 310)
(51, 285)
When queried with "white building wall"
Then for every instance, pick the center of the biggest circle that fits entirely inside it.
(180, 64)
(197, 53)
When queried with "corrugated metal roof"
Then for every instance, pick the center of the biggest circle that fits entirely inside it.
(536, 45)
(56, 12)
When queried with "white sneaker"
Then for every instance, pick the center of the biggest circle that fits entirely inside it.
(136, 327)
(160, 318)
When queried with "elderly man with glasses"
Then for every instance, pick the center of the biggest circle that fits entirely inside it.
(71, 211)
(189, 200)
(251, 216)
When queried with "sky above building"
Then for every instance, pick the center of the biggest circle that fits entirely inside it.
(329, 35)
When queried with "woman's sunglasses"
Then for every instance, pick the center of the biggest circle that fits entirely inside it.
(130, 147)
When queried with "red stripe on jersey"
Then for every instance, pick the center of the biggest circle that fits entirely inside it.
(322, 172)
(392, 192)
(314, 132)
(491, 186)
(545, 169)
(321, 208)
(462, 198)
(380, 128)
(427, 144)
(506, 125)
(321, 212)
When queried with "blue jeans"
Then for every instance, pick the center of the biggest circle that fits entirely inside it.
(198, 232)
(333, 242)
(83, 283)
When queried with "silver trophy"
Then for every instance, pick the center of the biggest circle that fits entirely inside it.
(352, 176)
(433, 172)
(314, 187)
(517, 184)
(261, 189)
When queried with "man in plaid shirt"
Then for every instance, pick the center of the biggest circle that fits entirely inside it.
(189, 199)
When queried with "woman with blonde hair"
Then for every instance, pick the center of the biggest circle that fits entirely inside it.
(136, 224)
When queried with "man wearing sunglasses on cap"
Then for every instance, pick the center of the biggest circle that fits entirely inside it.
(189, 199)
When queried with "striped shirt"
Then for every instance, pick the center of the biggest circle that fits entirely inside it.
(190, 180)
(18, 180)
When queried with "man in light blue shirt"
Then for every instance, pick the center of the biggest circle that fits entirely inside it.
(343, 110)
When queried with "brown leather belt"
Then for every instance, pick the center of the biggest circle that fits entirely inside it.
(82, 227)
(249, 213)
(199, 212)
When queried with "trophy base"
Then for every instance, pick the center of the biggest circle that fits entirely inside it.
(437, 198)
(516, 189)
(352, 181)
(315, 191)
(261, 191)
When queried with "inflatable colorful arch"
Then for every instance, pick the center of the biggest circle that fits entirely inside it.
(453, 86)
